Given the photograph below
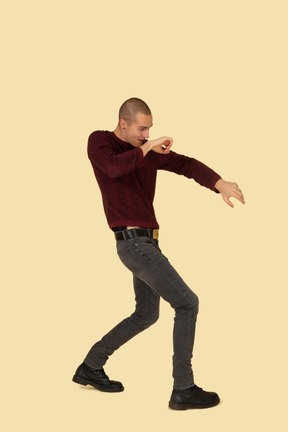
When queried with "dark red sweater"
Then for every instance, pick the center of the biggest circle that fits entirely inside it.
(127, 179)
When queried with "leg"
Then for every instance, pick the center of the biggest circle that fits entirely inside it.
(146, 313)
(144, 258)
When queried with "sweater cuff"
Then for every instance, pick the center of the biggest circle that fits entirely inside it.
(217, 177)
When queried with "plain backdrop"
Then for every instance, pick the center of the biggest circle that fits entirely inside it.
(214, 74)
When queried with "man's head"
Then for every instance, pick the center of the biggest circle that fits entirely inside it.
(135, 120)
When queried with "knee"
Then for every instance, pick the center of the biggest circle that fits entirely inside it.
(191, 303)
(153, 318)
(145, 321)
(194, 302)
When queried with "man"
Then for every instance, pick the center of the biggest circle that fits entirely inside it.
(125, 164)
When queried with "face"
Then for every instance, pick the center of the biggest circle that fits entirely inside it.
(138, 131)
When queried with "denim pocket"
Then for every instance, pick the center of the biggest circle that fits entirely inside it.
(128, 254)
(122, 245)
(139, 253)
(149, 240)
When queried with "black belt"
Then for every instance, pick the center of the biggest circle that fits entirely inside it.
(136, 232)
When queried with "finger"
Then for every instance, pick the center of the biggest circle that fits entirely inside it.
(162, 149)
(166, 145)
(238, 196)
(238, 193)
(238, 190)
(226, 199)
(166, 149)
(168, 142)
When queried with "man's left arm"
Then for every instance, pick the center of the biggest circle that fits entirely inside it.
(202, 174)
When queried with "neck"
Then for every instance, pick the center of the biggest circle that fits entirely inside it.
(119, 133)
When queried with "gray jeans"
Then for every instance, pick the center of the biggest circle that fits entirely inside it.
(153, 277)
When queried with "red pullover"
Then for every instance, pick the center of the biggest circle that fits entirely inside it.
(127, 179)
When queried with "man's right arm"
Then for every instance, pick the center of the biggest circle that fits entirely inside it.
(104, 157)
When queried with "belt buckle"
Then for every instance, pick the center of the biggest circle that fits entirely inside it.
(155, 234)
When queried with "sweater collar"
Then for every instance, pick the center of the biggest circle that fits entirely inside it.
(119, 140)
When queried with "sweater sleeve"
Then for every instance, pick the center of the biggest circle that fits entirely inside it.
(103, 156)
(190, 168)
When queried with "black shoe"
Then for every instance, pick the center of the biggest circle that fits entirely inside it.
(193, 397)
(97, 378)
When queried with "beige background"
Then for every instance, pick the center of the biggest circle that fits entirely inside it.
(215, 76)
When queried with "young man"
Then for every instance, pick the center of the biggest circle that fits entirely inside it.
(125, 164)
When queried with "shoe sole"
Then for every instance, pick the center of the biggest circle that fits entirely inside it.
(85, 382)
(182, 407)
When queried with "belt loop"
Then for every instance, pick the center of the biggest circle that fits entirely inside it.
(124, 235)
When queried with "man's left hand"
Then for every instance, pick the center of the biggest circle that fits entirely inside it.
(229, 189)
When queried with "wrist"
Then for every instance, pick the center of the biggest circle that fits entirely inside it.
(219, 184)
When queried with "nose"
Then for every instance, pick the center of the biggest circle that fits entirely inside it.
(146, 134)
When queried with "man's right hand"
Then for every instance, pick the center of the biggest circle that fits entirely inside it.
(161, 145)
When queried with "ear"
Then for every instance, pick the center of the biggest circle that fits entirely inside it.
(123, 123)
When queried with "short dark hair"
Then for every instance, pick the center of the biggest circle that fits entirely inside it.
(131, 107)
